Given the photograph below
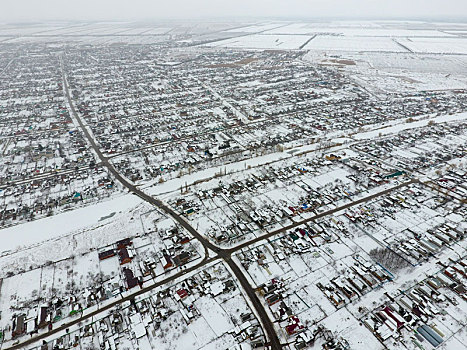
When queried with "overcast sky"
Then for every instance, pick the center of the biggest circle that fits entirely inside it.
(36, 10)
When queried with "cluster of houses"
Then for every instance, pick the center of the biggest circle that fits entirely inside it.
(307, 197)
(45, 314)
(56, 191)
(416, 247)
(124, 251)
(120, 267)
(299, 334)
(368, 173)
(419, 149)
(318, 335)
(302, 240)
(177, 253)
(142, 322)
(216, 147)
(202, 114)
(272, 293)
(46, 164)
(417, 312)
(152, 104)
(453, 182)
(320, 98)
(355, 282)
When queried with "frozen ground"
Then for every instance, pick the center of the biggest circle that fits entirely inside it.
(354, 44)
(329, 72)
(436, 45)
(265, 41)
(57, 226)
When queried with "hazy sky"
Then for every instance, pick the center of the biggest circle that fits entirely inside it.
(14, 10)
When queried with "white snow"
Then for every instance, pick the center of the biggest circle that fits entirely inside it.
(34, 232)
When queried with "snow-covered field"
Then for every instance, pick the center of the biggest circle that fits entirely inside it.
(357, 30)
(436, 45)
(348, 43)
(256, 28)
(263, 41)
(57, 226)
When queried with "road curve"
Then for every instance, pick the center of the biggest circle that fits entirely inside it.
(224, 254)
(268, 326)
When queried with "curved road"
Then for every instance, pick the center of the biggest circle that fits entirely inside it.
(224, 254)
(272, 337)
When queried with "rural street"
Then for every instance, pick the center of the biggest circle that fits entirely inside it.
(225, 255)
(216, 252)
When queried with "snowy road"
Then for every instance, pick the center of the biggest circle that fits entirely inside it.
(224, 254)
